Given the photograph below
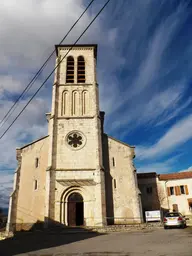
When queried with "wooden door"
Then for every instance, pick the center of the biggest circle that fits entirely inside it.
(71, 214)
(175, 208)
(75, 210)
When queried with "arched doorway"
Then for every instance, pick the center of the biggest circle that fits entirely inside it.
(75, 213)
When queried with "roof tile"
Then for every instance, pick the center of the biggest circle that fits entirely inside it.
(175, 176)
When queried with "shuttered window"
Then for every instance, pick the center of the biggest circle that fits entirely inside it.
(186, 190)
(177, 191)
(80, 70)
(168, 191)
(70, 70)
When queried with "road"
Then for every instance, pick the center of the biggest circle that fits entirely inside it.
(157, 242)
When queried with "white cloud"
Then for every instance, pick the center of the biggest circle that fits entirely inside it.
(6, 186)
(28, 32)
(30, 29)
(160, 167)
(145, 57)
(31, 124)
(150, 69)
(158, 110)
(176, 111)
(187, 170)
(173, 138)
(156, 167)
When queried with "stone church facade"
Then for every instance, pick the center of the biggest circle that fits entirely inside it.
(76, 175)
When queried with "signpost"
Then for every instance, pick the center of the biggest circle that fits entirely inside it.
(153, 216)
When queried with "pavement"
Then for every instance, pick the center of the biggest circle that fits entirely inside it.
(155, 242)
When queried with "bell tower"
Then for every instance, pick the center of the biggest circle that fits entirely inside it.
(75, 148)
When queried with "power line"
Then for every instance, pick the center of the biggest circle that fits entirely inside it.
(14, 106)
(54, 69)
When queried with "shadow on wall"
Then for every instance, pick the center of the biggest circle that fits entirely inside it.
(37, 238)
(108, 183)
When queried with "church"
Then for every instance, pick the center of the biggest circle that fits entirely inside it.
(77, 175)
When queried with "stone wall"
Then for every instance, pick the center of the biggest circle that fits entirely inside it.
(123, 200)
(68, 117)
(30, 201)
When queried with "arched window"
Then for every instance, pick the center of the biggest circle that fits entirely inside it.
(75, 103)
(80, 70)
(65, 103)
(85, 102)
(70, 70)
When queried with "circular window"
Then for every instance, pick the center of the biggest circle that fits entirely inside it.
(76, 140)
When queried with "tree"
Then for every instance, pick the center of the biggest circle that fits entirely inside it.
(162, 196)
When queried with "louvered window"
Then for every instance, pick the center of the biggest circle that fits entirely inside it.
(80, 70)
(70, 70)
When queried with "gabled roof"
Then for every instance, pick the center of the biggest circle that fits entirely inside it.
(33, 142)
(175, 176)
(125, 144)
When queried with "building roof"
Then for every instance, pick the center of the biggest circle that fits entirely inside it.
(146, 175)
(76, 46)
(175, 176)
(33, 142)
(119, 141)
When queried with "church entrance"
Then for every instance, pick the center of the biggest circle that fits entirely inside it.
(75, 211)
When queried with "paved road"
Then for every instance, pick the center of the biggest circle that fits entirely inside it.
(159, 242)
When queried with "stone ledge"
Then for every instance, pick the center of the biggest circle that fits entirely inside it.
(128, 227)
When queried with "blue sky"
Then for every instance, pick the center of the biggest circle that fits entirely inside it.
(143, 70)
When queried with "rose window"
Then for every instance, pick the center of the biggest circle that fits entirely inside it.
(76, 140)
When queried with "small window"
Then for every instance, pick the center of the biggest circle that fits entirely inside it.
(182, 189)
(113, 161)
(114, 183)
(70, 70)
(36, 162)
(172, 190)
(80, 70)
(149, 190)
(35, 185)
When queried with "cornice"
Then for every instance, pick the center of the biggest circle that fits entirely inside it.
(76, 84)
(75, 117)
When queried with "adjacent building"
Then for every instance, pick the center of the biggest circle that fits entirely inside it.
(168, 192)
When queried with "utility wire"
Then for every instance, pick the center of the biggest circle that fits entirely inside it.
(14, 106)
(54, 69)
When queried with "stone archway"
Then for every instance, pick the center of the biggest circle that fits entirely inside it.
(75, 210)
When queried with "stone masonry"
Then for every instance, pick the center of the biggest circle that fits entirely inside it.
(76, 158)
